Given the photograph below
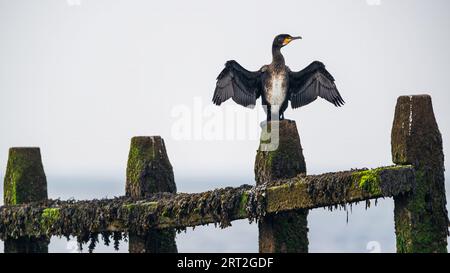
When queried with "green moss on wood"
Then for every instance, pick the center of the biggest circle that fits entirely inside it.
(334, 189)
(243, 204)
(151, 206)
(130, 207)
(369, 181)
(409, 238)
(140, 154)
(166, 210)
(25, 179)
(10, 194)
(280, 160)
(49, 217)
(421, 217)
(287, 231)
(416, 231)
(291, 232)
(148, 169)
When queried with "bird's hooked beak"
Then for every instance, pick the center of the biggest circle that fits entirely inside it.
(290, 39)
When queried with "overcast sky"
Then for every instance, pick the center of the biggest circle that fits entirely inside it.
(79, 78)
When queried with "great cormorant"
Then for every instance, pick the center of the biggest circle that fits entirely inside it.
(276, 83)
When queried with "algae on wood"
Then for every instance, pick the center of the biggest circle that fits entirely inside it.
(280, 156)
(421, 220)
(25, 182)
(181, 210)
(149, 171)
(25, 179)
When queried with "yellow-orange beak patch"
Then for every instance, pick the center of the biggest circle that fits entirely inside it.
(286, 41)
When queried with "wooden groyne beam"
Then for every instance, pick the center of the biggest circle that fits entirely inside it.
(25, 182)
(221, 206)
(149, 171)
(152, 210)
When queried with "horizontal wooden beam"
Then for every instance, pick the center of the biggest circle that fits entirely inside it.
(220, 206)
(340, 188)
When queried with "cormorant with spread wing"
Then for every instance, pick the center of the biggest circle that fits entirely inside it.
(276, 83)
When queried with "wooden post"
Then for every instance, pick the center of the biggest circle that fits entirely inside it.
(25, 182)
(280, 156)
(421, 221)
(149, 171)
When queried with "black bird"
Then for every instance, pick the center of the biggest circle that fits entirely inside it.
(276, 84)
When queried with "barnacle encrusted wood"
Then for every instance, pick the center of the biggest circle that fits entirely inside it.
(220, 206)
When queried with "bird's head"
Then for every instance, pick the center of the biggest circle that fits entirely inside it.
(283, 39)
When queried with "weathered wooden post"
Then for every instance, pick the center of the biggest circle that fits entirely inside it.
(149, 171)
(25, 182)
(280, 155)
(421, 221)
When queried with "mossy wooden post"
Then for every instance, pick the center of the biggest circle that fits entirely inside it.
(280, 156)
(149, 171)
(421, 221)
(25, 182)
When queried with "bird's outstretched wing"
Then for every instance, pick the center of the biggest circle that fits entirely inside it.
(312, 82)
(235, 82)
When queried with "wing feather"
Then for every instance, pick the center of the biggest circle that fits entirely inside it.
(312, 82)
(235, 82)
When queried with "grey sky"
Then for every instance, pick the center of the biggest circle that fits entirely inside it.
(80, 80)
